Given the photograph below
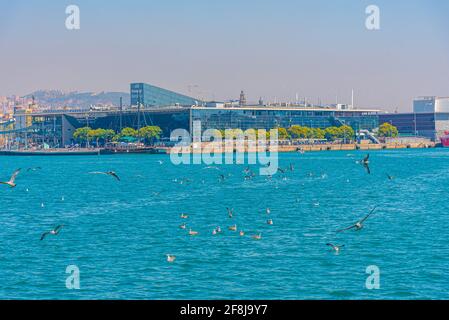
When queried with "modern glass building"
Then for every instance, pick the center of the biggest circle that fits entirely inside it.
(152, 96)
(430, 125)
(270, 117)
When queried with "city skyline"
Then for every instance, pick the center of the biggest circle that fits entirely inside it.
(213, 50)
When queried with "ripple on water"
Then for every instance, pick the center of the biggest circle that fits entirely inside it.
(119, 233)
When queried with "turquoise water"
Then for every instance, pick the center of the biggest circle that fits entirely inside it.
(118, 233)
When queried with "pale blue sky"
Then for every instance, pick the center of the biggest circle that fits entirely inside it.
(274, 49)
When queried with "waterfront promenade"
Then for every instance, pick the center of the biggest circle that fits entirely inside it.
(214, 148)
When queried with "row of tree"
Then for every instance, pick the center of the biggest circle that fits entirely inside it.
(100, 136)
(298, 132)
(151, 133)
(344, 132)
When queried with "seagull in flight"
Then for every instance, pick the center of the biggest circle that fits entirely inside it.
(53, 232)
(365, 163)
(336, 248)
(108, 173)
(34, 169)
(11, 181)
(359, 225)
(280, 170)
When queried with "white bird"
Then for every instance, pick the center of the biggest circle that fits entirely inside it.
(242, 233)
(12, 180)
(233, 228)
(268, 211)
(171, 258)
(257, 236)
(193, 233)
(184, 216)
(183, 226)
(336, 248)
(270, 222)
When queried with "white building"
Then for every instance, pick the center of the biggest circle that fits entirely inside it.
(431, 105)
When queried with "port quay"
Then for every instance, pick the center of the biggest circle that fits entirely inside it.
(38, 130)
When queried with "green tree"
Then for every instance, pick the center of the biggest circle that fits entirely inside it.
(149, 133)
(298, 132)
(82, 135)
(319, 134)
(128, 132)
(346, 132)
(388, 130)
(283, 134)
(332, 133)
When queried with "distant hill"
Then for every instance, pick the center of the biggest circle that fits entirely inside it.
(82, 100)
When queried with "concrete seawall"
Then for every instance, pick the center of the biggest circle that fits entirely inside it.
(210, 147)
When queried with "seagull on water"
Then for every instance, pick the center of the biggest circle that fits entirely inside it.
(171, 258)
(359, 225)
(257, 236)
(390, 177)
(193, 233)
(184, 216)
(108, 173)
(12, 180)
(53, 232)
(336, 248)
(242, 233)
(230, 212)
(183, 226)
(270, 222)
(233, 228)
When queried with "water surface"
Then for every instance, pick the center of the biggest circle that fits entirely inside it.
(118, 233)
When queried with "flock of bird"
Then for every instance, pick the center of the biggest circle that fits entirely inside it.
(248, 175)
(12, 184)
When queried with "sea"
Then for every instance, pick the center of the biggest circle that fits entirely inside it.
(117, 234)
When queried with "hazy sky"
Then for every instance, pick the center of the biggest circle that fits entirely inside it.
(274, 49)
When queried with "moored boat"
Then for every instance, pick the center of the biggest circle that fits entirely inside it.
(445, 140)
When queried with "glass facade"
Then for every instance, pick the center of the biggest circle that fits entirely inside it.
(257, 118)
(419, 124)
(151, 96)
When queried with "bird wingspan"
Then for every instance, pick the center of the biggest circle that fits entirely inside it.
(346, 229)
(44, 235)
(369, 215)
(368, 170)
(14, 175)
